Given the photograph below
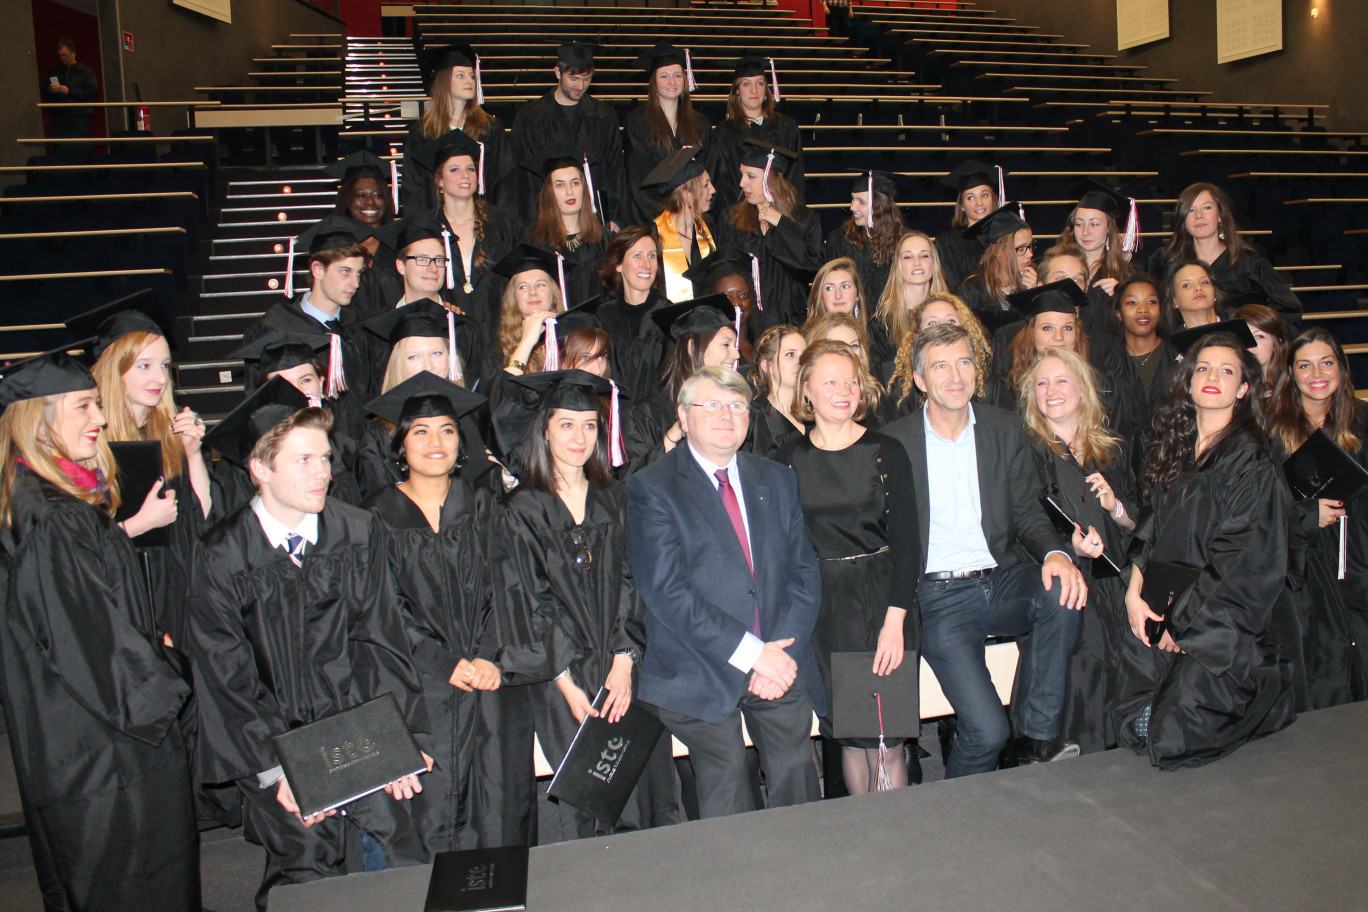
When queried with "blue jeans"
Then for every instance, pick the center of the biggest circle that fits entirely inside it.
(957, 616)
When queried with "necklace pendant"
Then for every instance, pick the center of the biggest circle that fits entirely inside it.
(467, 287)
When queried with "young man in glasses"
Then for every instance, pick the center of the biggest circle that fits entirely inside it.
(731, 588)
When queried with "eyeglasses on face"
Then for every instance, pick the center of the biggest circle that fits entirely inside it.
(422, 260)
(712, 408)
(1025, 249)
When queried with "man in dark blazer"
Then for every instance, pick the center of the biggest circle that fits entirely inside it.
(994, 564)
(731, 586)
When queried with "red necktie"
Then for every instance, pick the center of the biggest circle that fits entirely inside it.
(733, 507)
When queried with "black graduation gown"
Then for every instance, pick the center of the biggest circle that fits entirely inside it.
(728, 143)
(959, 256)
(1138, 404)
(1251, 273)
(993, 311)
(287, 316)
(554, 615)
(418, 185)
(872, 276)
(582, 267)
(1228, 686)
(91, 705)
(790, 254)
(482, 302)
(1108, 364)
(276, 646)
(445, 595)
(642, 155)
(638, 353)
(591, 125)
(769, 430)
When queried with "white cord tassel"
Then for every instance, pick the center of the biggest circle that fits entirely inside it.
(869, 214)
(481, 184)
(774, 80)
(589, 183)
(738, 326)
(450, 270)
(289, 270)
(1021, 211)
(560, 279)
(552, 360)
(764, 178)
(394, 185)
(479, 85)
(688, 72)
(617, 453)
(453, 362)
(755, 280)
(882, 782)
(1002, 186)
(1132, 241)
(337, 378)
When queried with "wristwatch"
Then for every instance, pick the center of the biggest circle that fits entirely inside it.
(633, 653)
(515, 364)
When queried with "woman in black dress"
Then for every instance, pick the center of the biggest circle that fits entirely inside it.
(837, 288)
(633, 286)
(1087, 471)
(666, 122)
(568, 220)
(434, 533)
(1193, 297)
(571, 622)
(752, 114)
(1217, 504)
(860, 511)
(1102, 229)
(914, 276)
(1315, 392)
(870, 236)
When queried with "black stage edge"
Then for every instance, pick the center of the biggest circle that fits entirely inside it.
(1278, 825)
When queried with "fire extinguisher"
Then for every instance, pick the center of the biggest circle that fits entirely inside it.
(142, 114)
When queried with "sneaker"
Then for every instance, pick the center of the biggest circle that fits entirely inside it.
(1034, 750)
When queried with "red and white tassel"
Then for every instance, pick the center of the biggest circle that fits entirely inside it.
(289, 270)
(337, 377)
(589, 183)
(481, 186)
(394, 185)
(552, 360)
(479, 85)
(617, 452)
(774, 80)
(689, 80)
(453, 362)
(738, 326)
(560, 279)
(450, 270)
(1132, 241)
(869, 213)
(764, 178)
(755, 280)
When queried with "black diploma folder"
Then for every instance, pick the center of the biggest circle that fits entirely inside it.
(479, 880)
(605, 761)
(1163, 589)
(346, 756)
(139, 464)
(858, 694)
(1103, 567)
(1320, 468)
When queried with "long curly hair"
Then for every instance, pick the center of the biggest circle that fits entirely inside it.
(511, 321)
(1287, 418)
(893, 310)
(1170, 440)
(116, 361)
(882, 243)
(1095, 445)
(901, 385)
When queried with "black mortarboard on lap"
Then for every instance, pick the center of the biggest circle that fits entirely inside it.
(1184, 339)
(575, 57)
(425, 395)
(279, 351)
(133, 313)
(674, 170)
(332, 232)
(708, 313)
(1063, 297)
(422, 318)
(1320, 468)
(238, 432)
(996, 225)
(49, 374)
(753, 64)
(436, 58)
(1094, 194)
(969, 174)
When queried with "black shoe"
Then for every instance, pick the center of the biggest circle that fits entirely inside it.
(1034, 750)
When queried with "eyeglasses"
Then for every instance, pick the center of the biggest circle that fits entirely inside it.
(428, 260)
(1025, 249)
(712, 408)
(584, 559)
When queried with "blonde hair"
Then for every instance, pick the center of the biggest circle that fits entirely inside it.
(816, 309)
(901, 384)
(869, 387)
(510, 321)
(116, 361)
(818, 329)
(394, 367)
(26, 433)
(892, 309)
(1094, 445)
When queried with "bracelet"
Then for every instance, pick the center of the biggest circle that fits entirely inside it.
(515, 364)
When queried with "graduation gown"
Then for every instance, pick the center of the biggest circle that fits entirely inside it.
(231, 484)
(591, 125)
(993, 310)
(482, 301)
(1139, 402)
(418, 185)
(790, 254)
(1228, 686)
(445, 597)
(728, 139)
(768, 431)
(959, 256)
(1253, 273)
(642, 154)
(91, 705)
(638, 344)
(554, 615)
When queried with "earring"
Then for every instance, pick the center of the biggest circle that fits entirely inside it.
(1106, 245)
(1220, 231)
(807, 402)
(856, 312)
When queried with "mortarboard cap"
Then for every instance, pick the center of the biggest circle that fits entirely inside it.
(240, 429)
(575, 57)
(584, 316)
(398, 235)
(575, 390)
(728, 258)
(1094, 194)
(424, 317)
(278, 351)
(706, 314)
(359, 164)
(663, 54)
(674, 170)
(970, 174)
(996, 225)
(330, 233)
(1184, 339)
(425, 395)
(559, 154)
(49, 374)
(136, 312)
(436, 58)
(524, 257)
(755, 154)
(1063, 296)
(885, 182)
(432, 154)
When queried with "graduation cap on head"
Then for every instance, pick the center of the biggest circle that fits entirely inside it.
(752, 64)
(332, 232)
(674, 170)
(436, 58)
(665, 54)
(708, 313)
(561, 154)
(579, 391)
(279, 351)
(1063, 296)
(423, 318)
(240, 429)
(434, 154)
(367, 164)
(49, 374)
(969, 174)
(1184, 339)
(873, 182)
(575, 57)
(996, 225)
(425, 395)
(728, 258)
(1120, 208)
(523, 258)
(584, 316)
(138, 312)
(773, 159)
(397, 236)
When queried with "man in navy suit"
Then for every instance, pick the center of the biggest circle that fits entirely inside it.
(731, 586)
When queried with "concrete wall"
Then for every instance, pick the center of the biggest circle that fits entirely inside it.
(1321, 61)
(18, 77)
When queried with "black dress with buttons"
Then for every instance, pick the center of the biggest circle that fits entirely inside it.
(860, 511)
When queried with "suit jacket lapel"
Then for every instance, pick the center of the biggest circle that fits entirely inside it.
(984, 445)
(916, 454)
(711, 501)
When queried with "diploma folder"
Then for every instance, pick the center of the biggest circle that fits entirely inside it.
(605, 760)
(346, 756)
(858, 695)
(1103, 567)
(479, 880)
(1165, 585)
(138, 465)
(1320, 468)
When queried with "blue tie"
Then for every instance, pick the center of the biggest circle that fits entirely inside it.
(295, 545)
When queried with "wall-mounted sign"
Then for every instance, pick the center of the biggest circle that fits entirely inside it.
(1140, 22)
(216, 9)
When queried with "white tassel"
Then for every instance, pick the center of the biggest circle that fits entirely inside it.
(481, 184)
(755, 280)
(616, 451)
(1002, 186)
(1021, 211)
(450, 267)
(289, 270)
(394, 185)
(453, 362)
(688, 72)
(764, 178)
(552, 360)
(479, 86)
(560, 279)
(589, 183)
(738, 326)
(869, 216)
(882, 783)
(1132, 241)
(337, 378)
(774, 80)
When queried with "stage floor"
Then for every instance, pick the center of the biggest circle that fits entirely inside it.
(1280, 825)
